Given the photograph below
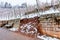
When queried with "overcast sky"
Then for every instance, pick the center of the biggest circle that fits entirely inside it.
(29, 2)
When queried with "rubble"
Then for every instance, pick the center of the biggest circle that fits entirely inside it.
(29, 26)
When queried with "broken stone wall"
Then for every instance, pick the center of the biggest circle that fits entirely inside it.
(29, 26)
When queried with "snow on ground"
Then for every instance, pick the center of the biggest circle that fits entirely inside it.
(29, 15)
(40, 13)
(44, 37)
(13, 29)
(50, 11)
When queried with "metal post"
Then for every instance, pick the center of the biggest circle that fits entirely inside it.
(37, 5)
(14, 13)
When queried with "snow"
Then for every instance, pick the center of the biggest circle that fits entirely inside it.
(13, 29)
(29, 15)
(40, 13)
(50, 11)
(44, 37)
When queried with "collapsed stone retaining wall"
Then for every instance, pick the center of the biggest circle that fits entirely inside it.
(29, 26)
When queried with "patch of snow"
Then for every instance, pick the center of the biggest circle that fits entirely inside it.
(13, 29)
(49, 11)
(44, 37)
(32, 15)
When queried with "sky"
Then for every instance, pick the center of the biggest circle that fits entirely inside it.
(19, 2)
